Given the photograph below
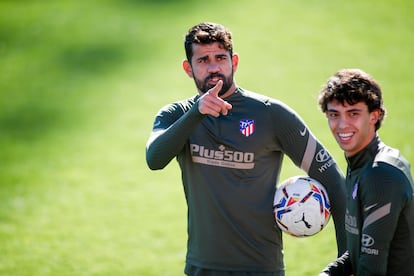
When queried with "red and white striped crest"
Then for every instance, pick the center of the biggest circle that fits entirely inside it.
(247, 127)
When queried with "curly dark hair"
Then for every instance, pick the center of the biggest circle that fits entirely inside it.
(206, 33)
(353, 86)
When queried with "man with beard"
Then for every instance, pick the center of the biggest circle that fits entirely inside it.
(230, 143)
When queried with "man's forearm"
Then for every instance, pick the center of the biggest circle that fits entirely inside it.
(164, 144)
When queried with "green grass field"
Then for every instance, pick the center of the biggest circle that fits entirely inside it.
(80, 83)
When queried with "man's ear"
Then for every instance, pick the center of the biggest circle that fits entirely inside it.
(375, 116)
(187, 68)
(235, 62)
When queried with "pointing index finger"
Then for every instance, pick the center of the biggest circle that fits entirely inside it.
(216, 89)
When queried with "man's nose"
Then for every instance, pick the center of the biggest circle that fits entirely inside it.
(213, 67)
(342, 122)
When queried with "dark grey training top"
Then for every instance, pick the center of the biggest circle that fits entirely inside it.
(230, 166)
(380, 212)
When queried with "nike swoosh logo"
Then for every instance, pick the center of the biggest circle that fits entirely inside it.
(370, 207)
(303, 132)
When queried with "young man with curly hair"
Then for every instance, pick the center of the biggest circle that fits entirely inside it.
(380, 208)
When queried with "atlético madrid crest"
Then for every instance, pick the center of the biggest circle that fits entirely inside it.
(247, 127)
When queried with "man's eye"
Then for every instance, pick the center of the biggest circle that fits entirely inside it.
(202, 60)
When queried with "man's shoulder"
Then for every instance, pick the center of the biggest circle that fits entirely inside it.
(389, 155)
(387, 167)
(180, 105)
(259, 98)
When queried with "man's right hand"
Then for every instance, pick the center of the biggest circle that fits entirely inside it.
(210, 103)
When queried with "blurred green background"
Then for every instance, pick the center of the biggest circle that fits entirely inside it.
(81, 81)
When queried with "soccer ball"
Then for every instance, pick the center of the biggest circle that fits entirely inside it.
(301, 206)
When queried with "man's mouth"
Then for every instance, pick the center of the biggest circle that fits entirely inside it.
(345, 136)
(214, 79)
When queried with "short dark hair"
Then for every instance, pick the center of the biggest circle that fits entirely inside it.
(353, 86)
(207, 33)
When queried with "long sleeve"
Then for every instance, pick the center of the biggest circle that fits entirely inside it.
(385, 192)
(172, 127)
(312, 157)
(339, 267)
(331, 177)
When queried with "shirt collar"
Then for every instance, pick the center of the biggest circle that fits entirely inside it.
(366, 155)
